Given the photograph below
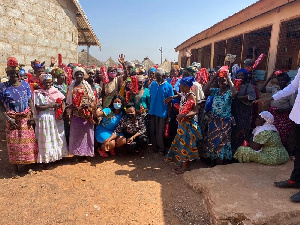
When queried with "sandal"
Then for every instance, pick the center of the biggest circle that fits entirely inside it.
(179, 171)
(103, 154)
(112, 152)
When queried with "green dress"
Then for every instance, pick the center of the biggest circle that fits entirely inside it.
(273, 152)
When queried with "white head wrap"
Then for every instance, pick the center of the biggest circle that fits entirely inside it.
(230, 58)
(77, 68)
(160, 71)
(131, 64)
(269, 118)
(197, 65)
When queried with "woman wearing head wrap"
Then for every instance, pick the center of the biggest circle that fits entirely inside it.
(142, 98)
(79, 99)
(266, 147)
(151, 76)
(90, 78)
(220, 123)
(60, 80)
(242, 110)
(184, 146)
(35, 81)
(15, 99)
(50, 132)
(281, 108)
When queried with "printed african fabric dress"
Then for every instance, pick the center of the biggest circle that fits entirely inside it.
(220, 126)
(184, 146)
(272, 153)
(50, 133)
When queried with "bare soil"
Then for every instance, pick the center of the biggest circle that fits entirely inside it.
(125, 189)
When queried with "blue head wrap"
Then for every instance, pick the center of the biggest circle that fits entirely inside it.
(22, 72)
(153, 70)
(244, 71)
(187, 81)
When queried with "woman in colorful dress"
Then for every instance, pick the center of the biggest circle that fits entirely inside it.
(59, 77)
(15, 99)
(184, 146)
(242, 110)
(281, 108)
(131, 131)
(142, 99)
(266, 147)
(79, 99)
(97, 89)
(111, 117)
(49, 129)
(34, 81)
(218, 145)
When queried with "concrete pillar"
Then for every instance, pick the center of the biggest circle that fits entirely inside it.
(212, 55)
(273, 47)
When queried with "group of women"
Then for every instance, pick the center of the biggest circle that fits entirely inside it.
(47, 119)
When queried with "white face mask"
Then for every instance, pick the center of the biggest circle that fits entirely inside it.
(117, 105)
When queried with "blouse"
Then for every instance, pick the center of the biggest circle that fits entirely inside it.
(126, 125)
(15, 98)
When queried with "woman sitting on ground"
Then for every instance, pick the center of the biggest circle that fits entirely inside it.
(131, 131)
(266, 147)
(111, 117)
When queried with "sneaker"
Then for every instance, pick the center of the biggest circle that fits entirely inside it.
(287, 184)
(295, 197)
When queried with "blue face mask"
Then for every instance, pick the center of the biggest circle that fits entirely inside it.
(117, 105)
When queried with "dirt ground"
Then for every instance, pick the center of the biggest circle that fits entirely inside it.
(125, 189)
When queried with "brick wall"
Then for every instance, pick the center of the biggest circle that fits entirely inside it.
(34, 29)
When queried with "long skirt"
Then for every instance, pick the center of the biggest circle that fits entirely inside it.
(184, 146)
(22, 146)
(218, 144)
(81, 137)
(283, 124)
(50, 134)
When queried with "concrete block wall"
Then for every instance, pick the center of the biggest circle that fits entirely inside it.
(34, 29)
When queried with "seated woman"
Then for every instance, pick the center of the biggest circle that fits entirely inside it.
(131, 131)
(111, 118)
(266, 147)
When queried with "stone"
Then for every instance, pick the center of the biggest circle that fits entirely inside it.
(5, 22)
(30, 39)
(244, 193)
(14, 13)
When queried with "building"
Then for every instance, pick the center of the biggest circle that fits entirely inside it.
(267, 26)
(40, 29)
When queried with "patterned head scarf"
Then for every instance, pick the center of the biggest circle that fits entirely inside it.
(46, 76)
(230, 58)
(248, 62)
(267, 116)
(77, 69)
(129, 64)
(197, 65)
(176, 67)
(134, 69)
(191, 70)
(187, 81)
(37, 65)
(12, 64)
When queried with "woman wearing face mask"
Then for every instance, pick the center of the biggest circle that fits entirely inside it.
(131, 131)
(49, 130)
(79, 98)
(110, 119)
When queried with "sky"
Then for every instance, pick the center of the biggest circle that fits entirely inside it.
(139, 28)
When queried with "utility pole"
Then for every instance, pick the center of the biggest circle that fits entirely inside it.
(160, 55)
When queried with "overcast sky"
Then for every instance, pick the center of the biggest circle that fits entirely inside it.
(138, 28)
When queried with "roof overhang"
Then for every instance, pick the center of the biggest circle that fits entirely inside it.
(86, 34)
(258, 8)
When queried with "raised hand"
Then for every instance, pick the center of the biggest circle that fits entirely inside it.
(121, 59)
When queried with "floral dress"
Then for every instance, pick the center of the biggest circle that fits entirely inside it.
(220, 126)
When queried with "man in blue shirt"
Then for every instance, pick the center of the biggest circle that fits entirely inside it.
(159, 111)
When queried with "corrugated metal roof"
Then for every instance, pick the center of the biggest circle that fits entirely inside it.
(252, 11)
(86, 34)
